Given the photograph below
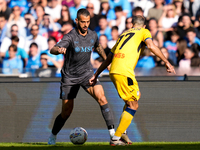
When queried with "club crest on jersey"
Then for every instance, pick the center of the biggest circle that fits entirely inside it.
(63, 93)
(92, 41)
(77, 49)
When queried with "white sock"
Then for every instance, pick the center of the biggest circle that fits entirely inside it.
(125, 132)
(115, 137)
(52, 135)
(112, 132)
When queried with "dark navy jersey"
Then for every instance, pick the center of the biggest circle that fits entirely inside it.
(77, 58)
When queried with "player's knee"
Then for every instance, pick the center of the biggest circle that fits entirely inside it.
(102, 100)
(133, 105)
(66, 112)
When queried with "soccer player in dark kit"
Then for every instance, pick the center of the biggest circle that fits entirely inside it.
(77, 46)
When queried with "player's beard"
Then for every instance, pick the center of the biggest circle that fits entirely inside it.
(82, 30)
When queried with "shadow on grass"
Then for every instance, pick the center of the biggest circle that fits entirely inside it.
(101, 146)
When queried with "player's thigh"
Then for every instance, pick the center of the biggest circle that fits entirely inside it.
(97, 93)
(127, 87)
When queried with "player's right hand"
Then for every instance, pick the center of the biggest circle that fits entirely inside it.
(170, 68)
(62, 50)
(93, 81)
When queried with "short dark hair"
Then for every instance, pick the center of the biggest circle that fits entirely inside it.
(14, 7)
(102, 17)
(33, 44)
(186, 14)
(190, 29)
(104, 36)
(140, 20)
(153, 19)
(171, 33)
(34, 25)
(2, 15)
(14, 25)
(127, 19)
(118, 9)
(136, 9)
(43, 54)
(83, 12)
(51, 38)
(15, 38)
(13, 46)
(46, 14)
(114, 28)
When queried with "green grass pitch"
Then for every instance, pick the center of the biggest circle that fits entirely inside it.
(103, 146)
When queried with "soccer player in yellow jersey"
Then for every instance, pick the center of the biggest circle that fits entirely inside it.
(124, 57)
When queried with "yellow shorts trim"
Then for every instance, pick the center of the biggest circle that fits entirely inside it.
(127, 87)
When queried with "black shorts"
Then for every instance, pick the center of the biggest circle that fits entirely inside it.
(70, 91)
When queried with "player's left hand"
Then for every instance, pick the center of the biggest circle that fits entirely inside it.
(170, 68)
(93, 80)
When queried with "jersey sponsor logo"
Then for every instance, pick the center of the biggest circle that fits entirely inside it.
(84, 49)
(119, 55)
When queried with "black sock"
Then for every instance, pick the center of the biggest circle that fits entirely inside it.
(108, 116)
(58, 124)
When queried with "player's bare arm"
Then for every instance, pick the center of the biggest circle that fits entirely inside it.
(101, 51)
(103, 66)
(153, 48)
(58, 50)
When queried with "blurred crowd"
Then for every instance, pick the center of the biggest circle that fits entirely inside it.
(30, 28)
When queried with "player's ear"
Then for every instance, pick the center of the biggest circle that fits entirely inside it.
(131, 25)
(76, 20)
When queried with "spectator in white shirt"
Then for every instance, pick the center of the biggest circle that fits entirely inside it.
(15, 18)
(7, 40)
(115, 36)
(54, 10)
(169, 19)
(145, 5)
(38, 39)
(120, 19)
